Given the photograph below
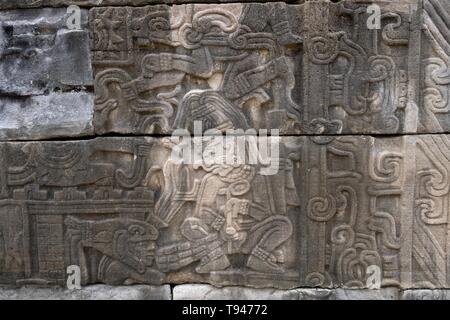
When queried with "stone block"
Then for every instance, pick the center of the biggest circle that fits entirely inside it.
(95, 292)
(207, 292)
(435, 80)
(156, 70)
(38, 53)
(350, 211)
(312, 68)
(355, 192)
(49, 116)
(125, 211)
(367, 294)
(8, 4)
(425, 294)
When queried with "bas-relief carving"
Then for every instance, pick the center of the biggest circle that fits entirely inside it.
(352, 220)
(12, 237)
(430, 219)
(304, 69)
(429, 263)
(156, 66)
(435, 67)
(124, 212)
(356, 78)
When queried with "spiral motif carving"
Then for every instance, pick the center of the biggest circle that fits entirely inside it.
(190, 38)
(239, 39)
(317, 279)
(381, 68)
(159, 24)
(321, 209)
(323, 50)
(343, 235)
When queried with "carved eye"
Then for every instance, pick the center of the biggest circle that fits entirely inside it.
(30, 53)
(136, 230)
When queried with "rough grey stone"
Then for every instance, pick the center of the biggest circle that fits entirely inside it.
(39, 53)
(13, 4)
(207, 292)
(43, 117)
(94, 292)
(367, 294)
(425, 294)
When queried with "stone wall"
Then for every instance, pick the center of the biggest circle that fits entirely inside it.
(354, 106)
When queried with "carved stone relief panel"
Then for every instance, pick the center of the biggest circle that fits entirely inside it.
(435, 78)
(357, 70)
(157, 66)
(13, 241)
(315, 68)
(429, 266)
(126, 211)
(430, 237)
(353, 205)
(351, 191)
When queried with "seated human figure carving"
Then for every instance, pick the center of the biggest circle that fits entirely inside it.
(230, 217)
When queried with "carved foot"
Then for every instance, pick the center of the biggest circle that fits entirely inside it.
(262, 261)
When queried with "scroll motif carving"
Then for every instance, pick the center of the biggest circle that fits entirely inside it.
(436, 74)
(431, 212)
(359, 211)
(357, 67)
(150, 66)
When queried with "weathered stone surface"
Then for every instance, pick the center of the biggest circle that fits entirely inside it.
(124, 211)
(158, 68)
(339, 212)
(13, 4)
(365, 294)
(421, 294)
(43, 117)
(207, 292)
(356, 198)
(313, 68)
(344, 210)
(435, 82)
(428, 243)
(39, 53)
(95, 292)
(357, 77)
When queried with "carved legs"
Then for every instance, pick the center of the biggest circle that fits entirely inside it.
(262, 241)
(269, 234)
